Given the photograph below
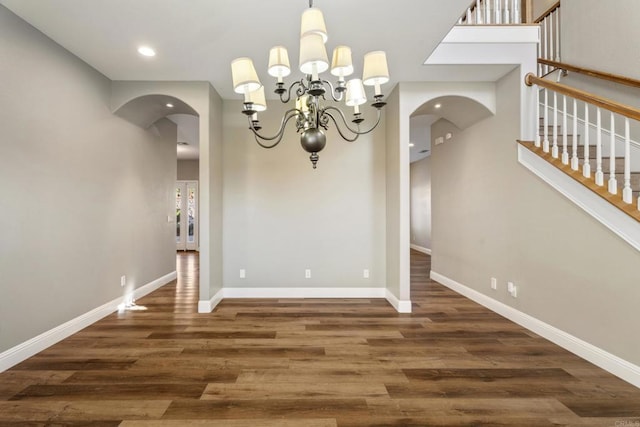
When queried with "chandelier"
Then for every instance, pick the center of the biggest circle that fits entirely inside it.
(310, 112)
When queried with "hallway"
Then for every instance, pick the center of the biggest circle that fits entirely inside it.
(310, 362)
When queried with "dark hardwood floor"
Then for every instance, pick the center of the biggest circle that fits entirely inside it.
(311, 362)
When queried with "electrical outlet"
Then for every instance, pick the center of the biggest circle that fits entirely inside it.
(243, 273)
(512, 289)
(494, 283)
(123, 281)
(307, 274)
(365, 273)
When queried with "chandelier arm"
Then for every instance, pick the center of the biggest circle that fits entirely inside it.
(344, 120)
(278, 136)
(345, 137)
(333, 91)
(300, 91)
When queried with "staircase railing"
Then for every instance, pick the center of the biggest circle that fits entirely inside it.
(492, 12)
(579, 156)
(549, 47)
(615, 78)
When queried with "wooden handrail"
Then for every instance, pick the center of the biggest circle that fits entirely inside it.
(628, 81)
(547, 12)
(608, 104)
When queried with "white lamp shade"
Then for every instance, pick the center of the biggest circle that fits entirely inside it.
(312, 22)
(341, 65)
(313, 52)
(257, 99)
(279, 62)
(355, 93)
(245, 78)
(375, 68)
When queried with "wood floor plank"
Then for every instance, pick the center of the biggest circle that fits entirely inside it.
(109, 391)
(266, 408)
(310, 362)
(256, 422)
(288, 390)
(62, 411)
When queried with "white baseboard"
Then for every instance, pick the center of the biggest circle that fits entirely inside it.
(421, 249)
(401, 306)
(21, 352)
(599, 357)
(304, 292)
(208, 306)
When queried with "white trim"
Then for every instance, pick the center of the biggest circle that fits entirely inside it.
(304, 292)
(399, 305)
(607, 361)
(422, 249)
(23, 351)
(208, 306)
(609, 215)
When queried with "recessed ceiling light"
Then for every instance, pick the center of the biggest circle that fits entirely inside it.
(146, 51)
(411, 144)
(183, 143)
(169, 105)
(437, 106)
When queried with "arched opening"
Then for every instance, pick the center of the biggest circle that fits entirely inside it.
(425, 134)
(171, 117)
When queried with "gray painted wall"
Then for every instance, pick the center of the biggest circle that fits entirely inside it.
(394, 202)
(188, 170)
(494, 218)
(281, 216)
(214, 174)
(421, 203)
(541, 6)
(86, 194)
(602, 35)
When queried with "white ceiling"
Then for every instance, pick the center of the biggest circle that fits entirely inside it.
(462, 112)
(188, 136)
(197, 39)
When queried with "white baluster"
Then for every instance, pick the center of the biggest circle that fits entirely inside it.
(468, 16)
(557, 13)
(613, 182)
(487, 11)
(543, 43)
(599, 173)
(478, 14)
(627, 194)
(460, 21)
(497, 11)
(565, 152)
(554, 149)
(516, 12)
(574, 158)
(551, 36)
(545, 122)
(586, 167)
(537, 125)
(506, 19)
